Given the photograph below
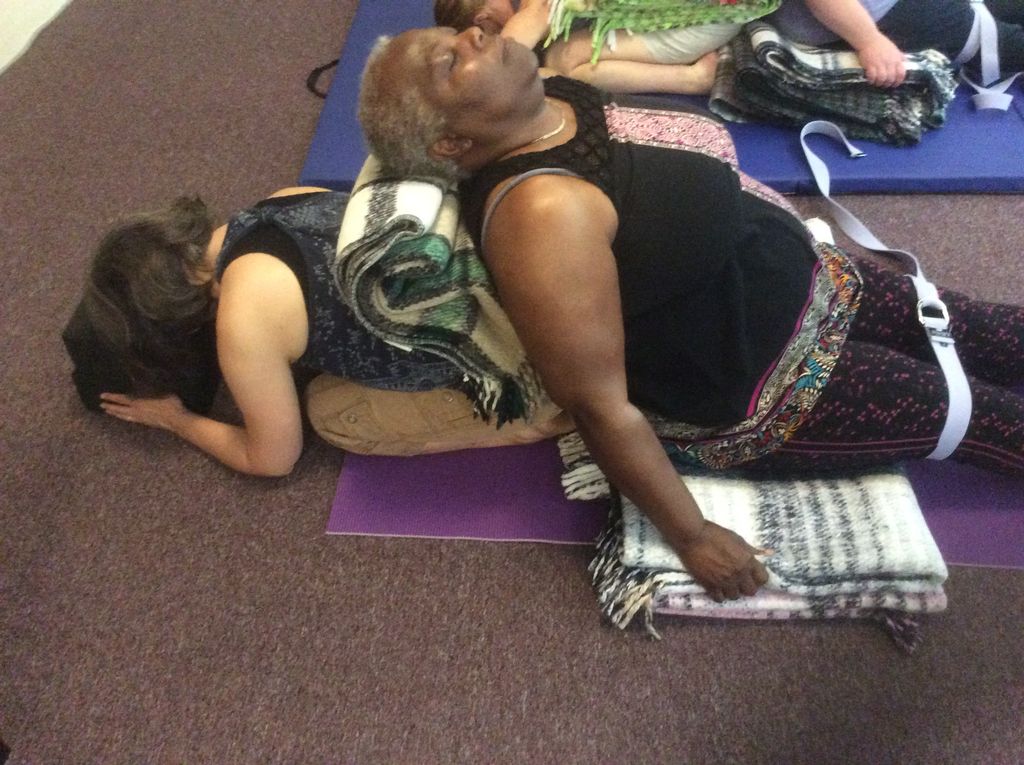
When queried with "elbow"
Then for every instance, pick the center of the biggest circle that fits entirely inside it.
(274, 471)
(592, 416)
(273, 466)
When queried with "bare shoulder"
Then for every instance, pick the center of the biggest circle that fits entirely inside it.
(260, 294)
(257, 279)
(293, 190)
(557, 205)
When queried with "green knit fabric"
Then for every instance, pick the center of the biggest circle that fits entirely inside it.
(649, 15)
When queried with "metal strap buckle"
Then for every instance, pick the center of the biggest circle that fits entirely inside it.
(937, 327)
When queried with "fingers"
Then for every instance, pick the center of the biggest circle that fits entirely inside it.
(760, 574)
(121, 413)
(117, 405)
(886, 76)
(744, 583)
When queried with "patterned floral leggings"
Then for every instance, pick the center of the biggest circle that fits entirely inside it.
(886, 399)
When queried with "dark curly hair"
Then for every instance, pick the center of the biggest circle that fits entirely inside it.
(147, 297)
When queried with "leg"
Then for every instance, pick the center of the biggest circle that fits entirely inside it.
(883, 407)
(989, 336)
(637, 65)
(369, 421)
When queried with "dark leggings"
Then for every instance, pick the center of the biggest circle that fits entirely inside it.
(886, 400)
(946, 24)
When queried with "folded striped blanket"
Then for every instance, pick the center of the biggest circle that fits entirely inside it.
(408, 268)
(850, 546)
(763, 77)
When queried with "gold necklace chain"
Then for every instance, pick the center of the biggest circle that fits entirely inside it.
(551, 133)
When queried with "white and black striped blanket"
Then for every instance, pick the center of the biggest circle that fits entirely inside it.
(853, 546)
(763, 77)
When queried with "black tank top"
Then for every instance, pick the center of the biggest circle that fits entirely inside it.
(713, 279)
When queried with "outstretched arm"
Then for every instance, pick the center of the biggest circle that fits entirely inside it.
(882, 60)
(549, 251)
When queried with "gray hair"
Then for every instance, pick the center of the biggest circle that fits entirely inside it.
(398, 123)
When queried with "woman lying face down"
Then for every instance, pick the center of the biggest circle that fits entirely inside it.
(651, 284)
(160, 279)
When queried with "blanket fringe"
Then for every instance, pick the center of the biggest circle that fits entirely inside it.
(904, 629)
(622, 593)
(582, 479)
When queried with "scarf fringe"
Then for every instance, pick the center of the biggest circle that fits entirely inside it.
(503, 399)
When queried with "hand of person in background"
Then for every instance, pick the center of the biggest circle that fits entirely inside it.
(883, 62)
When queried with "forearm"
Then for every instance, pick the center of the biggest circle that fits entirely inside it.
(228, 443)
(527, 27)
(631, 456)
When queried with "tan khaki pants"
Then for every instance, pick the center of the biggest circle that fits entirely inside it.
(370, 421)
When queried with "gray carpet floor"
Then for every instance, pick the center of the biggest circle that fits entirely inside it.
(155, 608)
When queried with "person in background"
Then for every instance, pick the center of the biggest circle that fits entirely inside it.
(679, 60)
(880, 30)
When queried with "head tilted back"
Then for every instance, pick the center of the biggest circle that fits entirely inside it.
(399, 124)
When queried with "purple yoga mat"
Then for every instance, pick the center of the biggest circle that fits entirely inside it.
(508, 494)
(513, 494)
(976, 517)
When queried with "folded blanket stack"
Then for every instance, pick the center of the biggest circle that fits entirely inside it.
(408, 268)
(764, 77)
(851, 546)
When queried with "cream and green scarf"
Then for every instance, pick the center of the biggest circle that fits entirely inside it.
(407, 267)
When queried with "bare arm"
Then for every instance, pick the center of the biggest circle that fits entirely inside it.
(261, 327)
(529, 25)
(882, 60)
(549, 251)
(630, 67)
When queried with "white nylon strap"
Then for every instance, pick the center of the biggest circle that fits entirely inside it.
(931, 311)
(984, 37)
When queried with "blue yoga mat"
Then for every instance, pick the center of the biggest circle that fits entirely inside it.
(976, 152)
